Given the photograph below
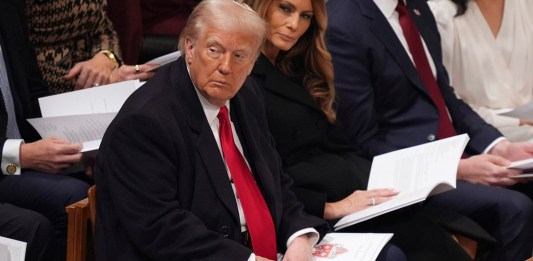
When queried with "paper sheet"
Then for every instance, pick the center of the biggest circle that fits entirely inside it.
(12, 250)
(165, 59)
(103, 99)
(523, 112)
(351, 246)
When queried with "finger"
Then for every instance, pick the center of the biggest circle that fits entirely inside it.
(82, 79)
(505, 182)
(69, 159)
(73, 72)
(500, 161)
(59, 140)
(92, 80)
(70, 149)
(383, 192)
(145, 75)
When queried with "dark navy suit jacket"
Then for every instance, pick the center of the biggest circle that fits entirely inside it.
(163, 190)
(382, 101)
(23, 73)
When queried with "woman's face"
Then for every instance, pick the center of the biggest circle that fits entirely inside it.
(288, 20)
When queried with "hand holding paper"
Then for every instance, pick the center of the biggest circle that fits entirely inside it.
(416, 172)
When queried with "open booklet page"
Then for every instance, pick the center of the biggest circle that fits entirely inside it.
(526, 164)
(82, 116)
(12, 250)
(416, 172)
(523, 112)
(165, 59)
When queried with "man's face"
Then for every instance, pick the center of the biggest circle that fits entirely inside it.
(219, 63)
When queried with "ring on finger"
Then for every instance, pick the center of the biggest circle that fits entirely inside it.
(96, 84)
(137, 69)
(373, 201)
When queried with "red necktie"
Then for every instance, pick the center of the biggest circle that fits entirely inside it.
(416, 49)
(258, 218)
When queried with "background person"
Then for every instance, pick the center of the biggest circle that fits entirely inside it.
(394, 93)
(488, 50)
(33, 198)
(295, 76)
(76, 45)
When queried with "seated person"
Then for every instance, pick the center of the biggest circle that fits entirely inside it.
(76, 45)
(386, 103)
(148, 28)
(488, 49)
(33, 198)
(329, 177)
(182, 191)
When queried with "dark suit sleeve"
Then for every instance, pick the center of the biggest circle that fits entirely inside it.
(353, 68)
(141, 168)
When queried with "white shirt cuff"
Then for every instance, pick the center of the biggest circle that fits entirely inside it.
(496, 141)
(312, 236)
(11, 156)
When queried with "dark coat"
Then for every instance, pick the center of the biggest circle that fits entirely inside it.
(163, 190)
(315, 152)
(25, 79)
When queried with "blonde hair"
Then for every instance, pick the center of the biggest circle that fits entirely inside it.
(308, 58)
(226, 15)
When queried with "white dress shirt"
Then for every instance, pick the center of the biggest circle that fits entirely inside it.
(211, 112)
(11, 149)
(491, 73)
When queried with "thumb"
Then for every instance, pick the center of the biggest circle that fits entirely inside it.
(500, 161)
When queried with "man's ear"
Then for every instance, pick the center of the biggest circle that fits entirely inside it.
(189, 47)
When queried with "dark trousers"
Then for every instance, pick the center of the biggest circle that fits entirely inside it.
(419, 237)
(506, 214)
(391, 252)
(28, 226)
(48, 195)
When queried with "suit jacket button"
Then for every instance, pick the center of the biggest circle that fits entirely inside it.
(224, 230)
(431, 137)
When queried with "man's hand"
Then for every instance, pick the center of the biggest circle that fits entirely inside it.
(358, 200)
(299, 250)
(513, 151)
(487, 169)
(49, 155)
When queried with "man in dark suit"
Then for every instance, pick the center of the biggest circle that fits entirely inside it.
(167, 186)
(386, 103)
(33, 202)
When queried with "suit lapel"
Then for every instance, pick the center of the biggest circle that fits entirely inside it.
(381, 28)
(247, 129)
(277, 83)
(203, 142)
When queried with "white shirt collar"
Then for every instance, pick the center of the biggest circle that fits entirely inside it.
(387, 7)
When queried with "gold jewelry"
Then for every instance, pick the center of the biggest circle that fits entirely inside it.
(137, 69)
(111, 57)
(11, 168)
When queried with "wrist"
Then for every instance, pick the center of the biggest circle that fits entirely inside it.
(500, 148)
(330, 211)
(111, 56)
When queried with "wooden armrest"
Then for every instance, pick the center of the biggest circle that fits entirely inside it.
(469, 245)
(78, 214)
